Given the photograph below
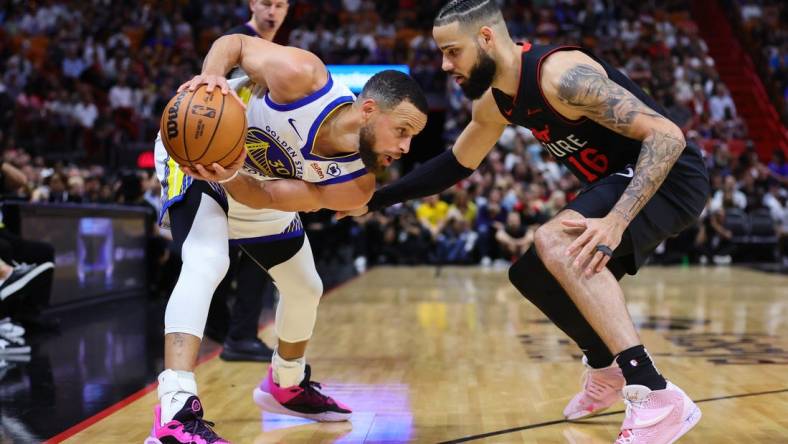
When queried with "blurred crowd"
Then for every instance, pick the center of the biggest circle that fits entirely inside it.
(765, 20)
(83, 82)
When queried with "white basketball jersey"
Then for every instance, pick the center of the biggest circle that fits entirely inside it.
(280, 137)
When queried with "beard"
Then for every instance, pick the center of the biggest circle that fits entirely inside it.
(366, 140)
(481, 77)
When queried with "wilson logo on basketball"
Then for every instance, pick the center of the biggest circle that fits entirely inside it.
(172, 116)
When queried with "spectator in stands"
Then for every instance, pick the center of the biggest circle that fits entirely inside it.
(729, 196)
(432, 214)
(58, 97)
(462, 207)
(514, 238)
(778, 167)
(720, 238)
(491, 216)
(414, 240)
(456, 243)
(721, 106)
(31, 269)
(774, 200)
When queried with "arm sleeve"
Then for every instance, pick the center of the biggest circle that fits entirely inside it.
(434, 176)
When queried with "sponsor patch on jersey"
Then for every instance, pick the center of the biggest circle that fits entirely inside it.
(333, 170)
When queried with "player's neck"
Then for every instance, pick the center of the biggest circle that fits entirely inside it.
(509, 61)
(265, 35)
(339, 134)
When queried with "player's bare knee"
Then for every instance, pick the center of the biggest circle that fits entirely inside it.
(549, 244)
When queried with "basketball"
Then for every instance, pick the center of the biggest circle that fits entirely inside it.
(198, 127)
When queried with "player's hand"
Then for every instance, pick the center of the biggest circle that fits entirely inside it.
(216, 172)
(212, 81)
(605, 231)
(353, 213)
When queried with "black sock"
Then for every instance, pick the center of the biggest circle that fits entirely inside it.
(638, 369)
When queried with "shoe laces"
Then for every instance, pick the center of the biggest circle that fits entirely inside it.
(202, 428)
(23, 267)
(632, 408)
(311, 390)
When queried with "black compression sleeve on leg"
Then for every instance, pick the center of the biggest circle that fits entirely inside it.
(530, 276)
(434, 176)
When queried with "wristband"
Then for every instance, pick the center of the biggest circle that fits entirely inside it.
(230, 178)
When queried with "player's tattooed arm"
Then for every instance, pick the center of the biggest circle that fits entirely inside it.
(585, 88)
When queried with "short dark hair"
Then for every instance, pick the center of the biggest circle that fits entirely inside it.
(468, 12)
(389, 88)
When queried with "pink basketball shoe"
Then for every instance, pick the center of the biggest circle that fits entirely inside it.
(656, 416)
(303, 400)
(601, 389)
(187, 427)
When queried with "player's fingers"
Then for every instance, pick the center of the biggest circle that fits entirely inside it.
(574, 223)
(211, 82)
(187, 170)
(241, 157)
(594, 264)
(573, 230)
(204, 173)
(586, 252)
(578, 243)
(603, 264)
(195, 83)
(218, 169)
(239, 161)
(341, 215)
(184, 85)
(222, 83)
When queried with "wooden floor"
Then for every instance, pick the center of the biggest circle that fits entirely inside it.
(460, 356)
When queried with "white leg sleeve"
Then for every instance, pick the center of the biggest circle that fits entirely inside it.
(300, 289)
(206, 259)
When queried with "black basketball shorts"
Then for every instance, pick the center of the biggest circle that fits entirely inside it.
(673, 208)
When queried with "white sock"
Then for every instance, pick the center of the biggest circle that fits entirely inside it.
(287, 373)
(175, 388)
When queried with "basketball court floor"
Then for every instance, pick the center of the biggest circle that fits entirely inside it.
(456, 355)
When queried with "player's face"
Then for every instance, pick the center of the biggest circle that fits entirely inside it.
(470, 66)
(269, 14)
(387, 135)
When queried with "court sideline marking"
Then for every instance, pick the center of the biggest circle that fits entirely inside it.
(561, 421)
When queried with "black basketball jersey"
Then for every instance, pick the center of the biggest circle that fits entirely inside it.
(590, 150)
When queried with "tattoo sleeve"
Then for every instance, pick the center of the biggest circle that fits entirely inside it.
(583, 87)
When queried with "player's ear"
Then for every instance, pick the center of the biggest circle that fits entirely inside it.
(369, 107)
(485, 37)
